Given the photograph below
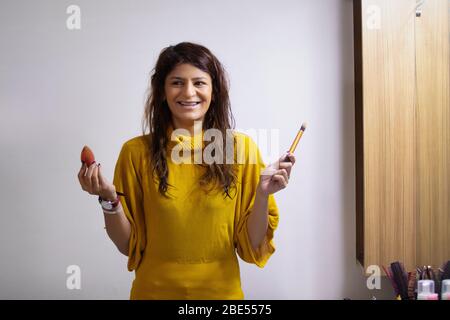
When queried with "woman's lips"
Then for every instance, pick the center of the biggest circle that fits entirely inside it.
(189, 105)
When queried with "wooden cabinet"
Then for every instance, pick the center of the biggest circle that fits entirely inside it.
(402, 118)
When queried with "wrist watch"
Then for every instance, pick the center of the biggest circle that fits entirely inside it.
(108, 205)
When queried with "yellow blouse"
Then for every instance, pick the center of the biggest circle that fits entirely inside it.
(185, 247)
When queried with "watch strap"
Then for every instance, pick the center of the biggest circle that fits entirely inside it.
(113, 203)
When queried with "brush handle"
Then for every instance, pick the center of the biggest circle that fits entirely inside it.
(296, 141)
(399, 278)
(446, 273)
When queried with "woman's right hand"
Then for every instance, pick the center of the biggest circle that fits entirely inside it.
(93, 182)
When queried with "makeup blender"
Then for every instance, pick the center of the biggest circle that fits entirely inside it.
(87, 156)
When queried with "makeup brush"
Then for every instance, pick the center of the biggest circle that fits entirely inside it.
(296, 141)
(270, 170)
(388, 272)
(401, 279)
(297, 138)
(446, 273)
(412, 276)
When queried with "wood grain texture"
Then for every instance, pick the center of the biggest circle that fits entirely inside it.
(402, 86)
(389, 131)
(433, 139)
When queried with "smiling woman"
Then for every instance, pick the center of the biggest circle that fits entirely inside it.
(188, 92)
(182, 225)
(186, 74)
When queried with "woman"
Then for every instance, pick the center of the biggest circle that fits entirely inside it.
(181, 222)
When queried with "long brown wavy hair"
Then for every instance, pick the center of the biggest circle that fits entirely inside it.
(157, 116)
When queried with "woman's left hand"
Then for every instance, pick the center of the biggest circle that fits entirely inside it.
(275, 177)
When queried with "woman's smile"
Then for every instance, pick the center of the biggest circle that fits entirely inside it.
(188, 91)
(190, 105)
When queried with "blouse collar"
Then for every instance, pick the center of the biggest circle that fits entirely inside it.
(184, 138)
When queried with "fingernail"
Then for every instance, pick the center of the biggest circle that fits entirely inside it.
(98, 165)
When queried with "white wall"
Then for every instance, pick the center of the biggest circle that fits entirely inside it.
(288, 61)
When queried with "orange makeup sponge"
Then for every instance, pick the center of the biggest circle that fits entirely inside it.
(87, 156)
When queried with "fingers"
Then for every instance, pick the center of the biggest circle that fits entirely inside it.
(287, 166)
(90, 170)
(92, 181)
(95, 180)
(286, 162)
(81, 172)
(88, 178)
(284, 174)
(288, 157)
(103, 182)
(81, 175)
(269, 171)
(281, 180)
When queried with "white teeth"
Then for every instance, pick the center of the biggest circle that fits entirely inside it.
(188, 104)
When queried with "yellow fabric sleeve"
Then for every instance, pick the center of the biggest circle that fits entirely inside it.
(127, 181)
(250, 179)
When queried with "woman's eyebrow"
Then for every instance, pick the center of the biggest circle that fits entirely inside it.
(180, 78)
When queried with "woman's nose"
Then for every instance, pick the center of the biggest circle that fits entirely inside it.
(189, 90)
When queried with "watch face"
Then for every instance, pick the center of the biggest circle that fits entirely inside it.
(107, 205)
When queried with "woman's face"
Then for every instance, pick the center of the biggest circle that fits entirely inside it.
(188, 91)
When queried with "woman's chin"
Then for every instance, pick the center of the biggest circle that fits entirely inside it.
(191, 117)
(191, 114)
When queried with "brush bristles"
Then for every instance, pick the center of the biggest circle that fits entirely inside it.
(304, 124)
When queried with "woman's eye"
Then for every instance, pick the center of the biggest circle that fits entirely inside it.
(180, 83)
